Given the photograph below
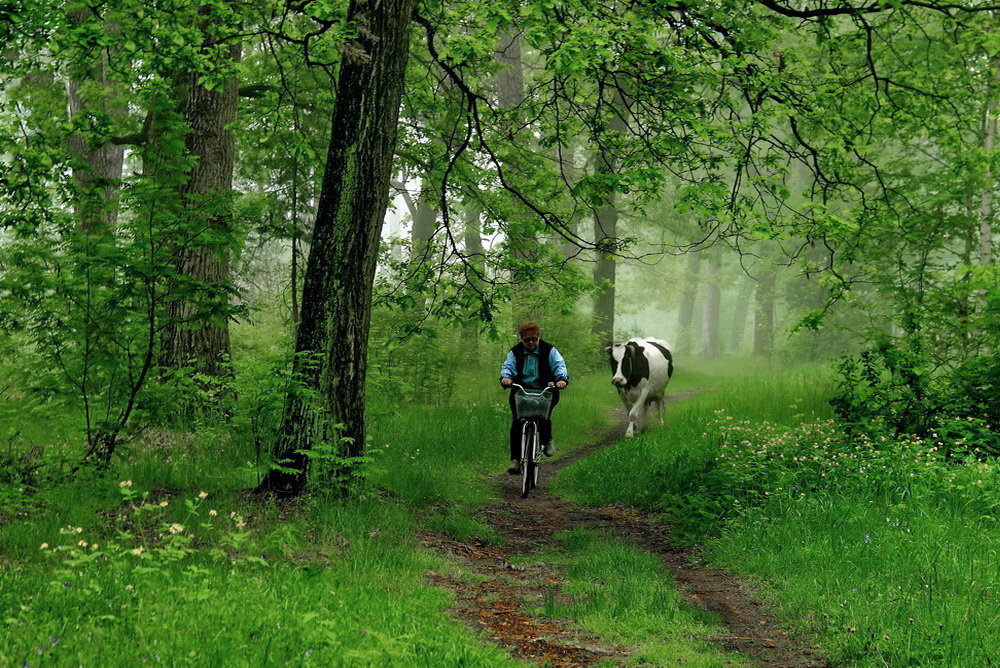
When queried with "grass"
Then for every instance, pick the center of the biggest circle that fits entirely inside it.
(663, 468)
(882, 549)
(94, 572)
(134, 565)
(440, 454)
(353, 596)
(903, 584)
(626, 596)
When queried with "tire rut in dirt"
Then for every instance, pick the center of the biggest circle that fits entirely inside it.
(529, 527)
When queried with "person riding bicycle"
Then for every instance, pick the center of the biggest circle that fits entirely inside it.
(533, 364)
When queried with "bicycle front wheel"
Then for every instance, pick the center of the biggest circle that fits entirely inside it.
(529, 451)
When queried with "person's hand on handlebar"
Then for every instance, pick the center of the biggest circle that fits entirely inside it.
(506, 382)
(560, 384)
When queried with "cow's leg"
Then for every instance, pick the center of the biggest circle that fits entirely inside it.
(623, 394)
(633, 415)
(659, 408)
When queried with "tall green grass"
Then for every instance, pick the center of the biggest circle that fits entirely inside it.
(331, 582)
(665, 467)
(348, 590)
(882, 548)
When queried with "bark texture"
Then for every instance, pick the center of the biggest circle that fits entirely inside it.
(332, 338)
(198, 330)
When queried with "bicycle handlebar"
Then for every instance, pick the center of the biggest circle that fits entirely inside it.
(547, 388)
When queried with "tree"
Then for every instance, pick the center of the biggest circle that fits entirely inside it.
(198, 327)
(331, 342)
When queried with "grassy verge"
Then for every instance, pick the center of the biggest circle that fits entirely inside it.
(884, 550)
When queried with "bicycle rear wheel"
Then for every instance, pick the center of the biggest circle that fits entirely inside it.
(529, 468)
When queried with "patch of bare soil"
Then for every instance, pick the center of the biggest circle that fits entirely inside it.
(495, 602)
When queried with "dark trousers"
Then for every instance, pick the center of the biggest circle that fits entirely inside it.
(544, 426)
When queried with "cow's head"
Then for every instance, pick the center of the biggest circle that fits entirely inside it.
(628, 363)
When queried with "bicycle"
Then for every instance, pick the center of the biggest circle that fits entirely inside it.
(530, 407)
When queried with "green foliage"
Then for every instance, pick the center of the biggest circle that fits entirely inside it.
(894, 389)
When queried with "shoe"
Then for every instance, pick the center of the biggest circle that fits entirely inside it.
(549, 449)
(514, 468)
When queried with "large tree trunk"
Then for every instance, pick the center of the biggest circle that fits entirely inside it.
(711, 343)
(685, 311)
(332, 339)
(197, 332)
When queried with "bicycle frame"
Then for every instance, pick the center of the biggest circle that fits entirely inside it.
(531, 450)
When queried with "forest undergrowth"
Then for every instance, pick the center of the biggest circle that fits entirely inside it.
(883, 550)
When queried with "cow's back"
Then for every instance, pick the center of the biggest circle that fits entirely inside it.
(661, 363)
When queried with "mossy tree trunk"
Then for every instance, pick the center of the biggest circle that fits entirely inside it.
(93, 93)
(332, 338)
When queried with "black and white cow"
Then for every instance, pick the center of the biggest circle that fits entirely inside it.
(641, 369)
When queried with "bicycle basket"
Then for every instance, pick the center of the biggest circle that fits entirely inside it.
(532, 405)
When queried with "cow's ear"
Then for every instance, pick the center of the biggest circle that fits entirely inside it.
(607, 348)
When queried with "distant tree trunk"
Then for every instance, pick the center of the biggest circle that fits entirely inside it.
(197, 332)
(740, 310)
(97, 169)
(473, 241)
(564, 157)
(424, 223)
(509, 84)
(510, 77)
(606, 230)
(685, 312)
(763, 328)
(989, 142)
(711, 343)
(332, 340)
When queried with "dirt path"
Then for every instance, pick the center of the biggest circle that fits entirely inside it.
(496, 603)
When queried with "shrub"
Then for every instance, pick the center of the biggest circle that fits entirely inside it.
(892, 388)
